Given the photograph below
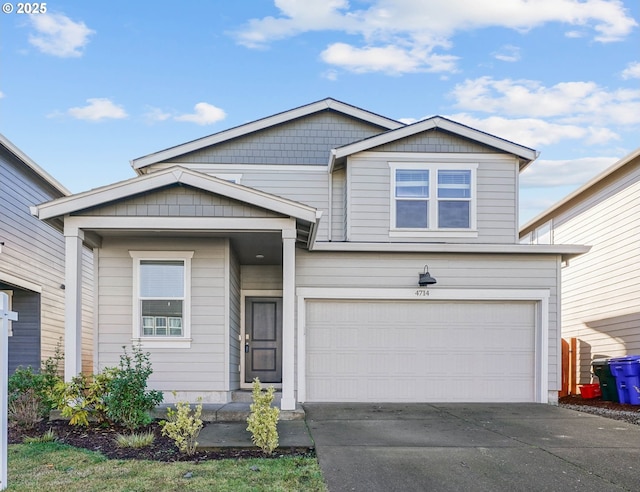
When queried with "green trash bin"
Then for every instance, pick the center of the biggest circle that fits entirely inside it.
(606, 379)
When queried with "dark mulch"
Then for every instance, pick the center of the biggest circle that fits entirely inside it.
(598, 402)
(102, 439)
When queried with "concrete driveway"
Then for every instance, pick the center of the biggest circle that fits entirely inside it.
(478, 447)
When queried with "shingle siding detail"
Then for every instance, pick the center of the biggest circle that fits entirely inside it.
(305, 141)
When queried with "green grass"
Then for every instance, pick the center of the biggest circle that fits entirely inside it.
(53, 466)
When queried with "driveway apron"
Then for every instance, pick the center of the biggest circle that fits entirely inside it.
(478, 447)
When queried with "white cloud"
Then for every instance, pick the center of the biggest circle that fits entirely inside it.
(98, 109)
(632, 71)
(58, 35)
(534, 132)
(153, 115)
(205, 114)
(568, 102)
(414, 29)
(573, 172)
(1, 94)
(508, 53)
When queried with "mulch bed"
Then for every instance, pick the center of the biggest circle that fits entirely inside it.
(102, 439)
(597, 402)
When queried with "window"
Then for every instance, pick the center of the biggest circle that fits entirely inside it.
(432, 197)
(161, 295)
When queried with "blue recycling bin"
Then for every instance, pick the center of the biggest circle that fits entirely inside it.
(626, 371)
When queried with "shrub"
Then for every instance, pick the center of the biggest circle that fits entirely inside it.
(40, 385)
(25, 409)
(135, 440)
(84, 397)
(183, 427)
(128, 401)
(263, 419)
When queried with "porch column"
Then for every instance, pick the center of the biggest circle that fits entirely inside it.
(288, 313)
(73, 303)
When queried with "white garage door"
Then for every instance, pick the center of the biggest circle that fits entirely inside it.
(428, 351)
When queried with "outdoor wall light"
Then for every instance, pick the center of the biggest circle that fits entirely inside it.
(425, 278)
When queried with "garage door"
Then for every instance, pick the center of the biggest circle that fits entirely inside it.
(429, 351)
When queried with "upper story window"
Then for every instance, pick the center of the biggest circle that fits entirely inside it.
(161, 295)
(432, 197)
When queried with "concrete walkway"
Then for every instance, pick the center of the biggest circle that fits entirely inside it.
(478, 447)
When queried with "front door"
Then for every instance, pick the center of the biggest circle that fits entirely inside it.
(263, 339)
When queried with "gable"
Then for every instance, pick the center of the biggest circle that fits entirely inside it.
(179, 201)
(434, 141)
(303, 141)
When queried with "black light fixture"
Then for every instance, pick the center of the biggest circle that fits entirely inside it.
(425, 278)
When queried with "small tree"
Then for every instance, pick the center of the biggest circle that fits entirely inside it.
(263, 419)
(128, 401)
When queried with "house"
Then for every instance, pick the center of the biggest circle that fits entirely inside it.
(291, 248)
(601, 289)
(32, 255)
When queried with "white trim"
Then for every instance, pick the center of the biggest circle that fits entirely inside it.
(166, 177)
(9, 307)
(444, 158)
(183, 341)
(227, 311)
(261, 124)
(525, 154)
(221, 169)
(288, 401)
(434, 166)
(243, 295)
(20, 282)
(540, 296)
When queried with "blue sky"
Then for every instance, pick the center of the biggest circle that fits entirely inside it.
(88, 86)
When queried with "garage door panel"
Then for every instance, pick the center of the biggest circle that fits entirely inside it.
(420, 351)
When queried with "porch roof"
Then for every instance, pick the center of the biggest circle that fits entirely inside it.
(55, 211)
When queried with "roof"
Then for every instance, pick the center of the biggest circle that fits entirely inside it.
(174, 175)
(525, 154)
(621, 166)
(261, 124)
(27, 161)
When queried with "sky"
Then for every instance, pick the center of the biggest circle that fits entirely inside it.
(85, 87)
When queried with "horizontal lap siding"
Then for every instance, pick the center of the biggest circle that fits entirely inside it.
(400, 270)
(198, 368)
(369, 195)
(601, 289)
(34, 251)
(234, 320)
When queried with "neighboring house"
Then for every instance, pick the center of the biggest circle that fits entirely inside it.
(290, 249)
(601, 289)
(32, 262)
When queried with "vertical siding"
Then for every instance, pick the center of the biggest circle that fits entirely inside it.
(400, 270)
(234, 320)
(34, 252)
(601, 289)
(370, 195)
(200, 368)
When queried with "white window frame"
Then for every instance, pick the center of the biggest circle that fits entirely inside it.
(168, 341)
(433, 230)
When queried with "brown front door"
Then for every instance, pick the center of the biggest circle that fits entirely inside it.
(263, 339)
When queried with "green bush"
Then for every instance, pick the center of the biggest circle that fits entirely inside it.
(84, 397)
(183, 427)
(128, 401)
(263, 419)
(40, 384)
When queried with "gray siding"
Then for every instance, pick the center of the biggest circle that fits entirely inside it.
(180, 201)
(369, 195)
(24, 345)
(305, 141)
(259, 277)
(234, 320)
(34, 252)
(601, 289)
(434, 141)
(471, 271)
(202, 367)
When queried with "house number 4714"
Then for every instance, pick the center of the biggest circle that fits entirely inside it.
(421, 293)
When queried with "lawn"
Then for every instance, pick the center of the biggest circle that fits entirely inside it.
(58, 467)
